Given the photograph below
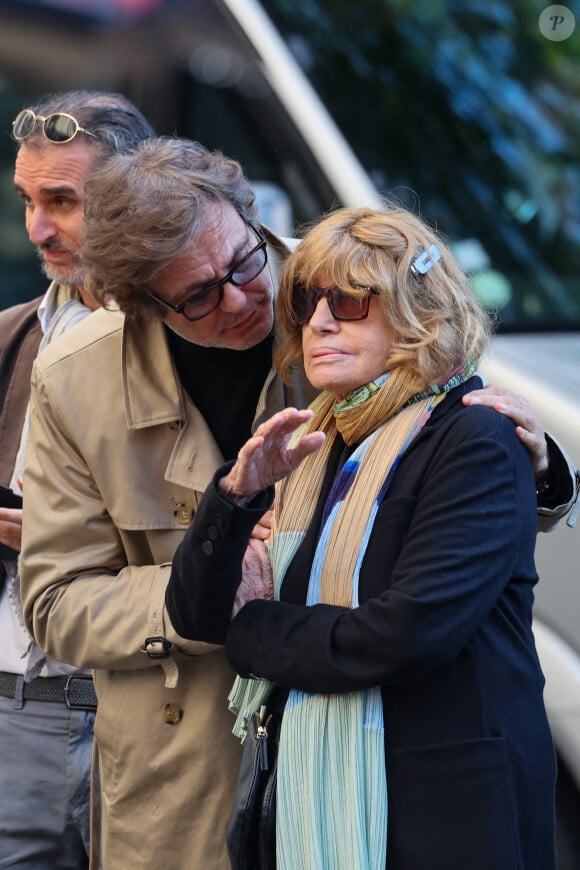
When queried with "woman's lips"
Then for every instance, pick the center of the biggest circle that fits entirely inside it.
(323, 352)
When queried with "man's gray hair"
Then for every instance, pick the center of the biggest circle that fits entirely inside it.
(145, 208)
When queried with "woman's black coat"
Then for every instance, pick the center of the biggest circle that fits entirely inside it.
(444, 626)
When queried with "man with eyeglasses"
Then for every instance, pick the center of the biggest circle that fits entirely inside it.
(47, 707)
(130, 421)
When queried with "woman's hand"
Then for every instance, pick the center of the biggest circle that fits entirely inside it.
(256, 576)
(266, 458)
(528, 427)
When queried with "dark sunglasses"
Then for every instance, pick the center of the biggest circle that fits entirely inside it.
(58, 127)
(343, 305)
(204, 301)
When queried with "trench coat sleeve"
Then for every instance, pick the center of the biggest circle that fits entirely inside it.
(82, 602)
(207, 566)
(458, 554)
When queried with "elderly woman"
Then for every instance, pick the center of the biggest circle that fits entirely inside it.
(399, 636)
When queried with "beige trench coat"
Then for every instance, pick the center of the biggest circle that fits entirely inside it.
(118, 460)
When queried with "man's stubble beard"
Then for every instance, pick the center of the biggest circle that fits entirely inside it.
(240, 343)
(245, 341)
(74, 277)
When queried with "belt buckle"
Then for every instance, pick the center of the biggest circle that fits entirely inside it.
(157, 647)
(69, 690)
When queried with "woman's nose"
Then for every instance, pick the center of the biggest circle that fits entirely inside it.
(322, 318)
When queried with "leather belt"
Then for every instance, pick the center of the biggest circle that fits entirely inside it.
(76, 691)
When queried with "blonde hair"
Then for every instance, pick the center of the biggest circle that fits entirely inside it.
(436, 317)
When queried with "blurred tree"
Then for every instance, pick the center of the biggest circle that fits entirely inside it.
(465, 111)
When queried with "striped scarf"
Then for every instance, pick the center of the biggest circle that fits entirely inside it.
(331, 788)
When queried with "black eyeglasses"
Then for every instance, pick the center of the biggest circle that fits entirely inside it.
(58, 127)
(204, 301)
(343, 305)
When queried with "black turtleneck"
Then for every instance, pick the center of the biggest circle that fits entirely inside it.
(224, 385)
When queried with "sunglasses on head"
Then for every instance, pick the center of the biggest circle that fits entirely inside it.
(58, 127)
(342, 305)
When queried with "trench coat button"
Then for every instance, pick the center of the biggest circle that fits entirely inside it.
(172, 713)
(207, 548)
(218, 521)
(213, 533)
(183, 514)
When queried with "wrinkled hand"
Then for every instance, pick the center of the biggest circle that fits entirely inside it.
(256, 576)
(266, 458)
(528, 427)
(11, 527)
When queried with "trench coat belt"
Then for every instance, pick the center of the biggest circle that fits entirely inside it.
(76, 691)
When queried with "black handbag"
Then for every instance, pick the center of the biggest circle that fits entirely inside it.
(251, 834)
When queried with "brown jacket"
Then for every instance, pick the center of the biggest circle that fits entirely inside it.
(118, 460)
(20, 335)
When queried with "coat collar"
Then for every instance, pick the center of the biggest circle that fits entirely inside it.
(151, 388)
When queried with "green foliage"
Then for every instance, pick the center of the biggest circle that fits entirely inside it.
(467, 112)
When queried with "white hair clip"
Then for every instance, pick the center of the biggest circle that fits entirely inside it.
(422, 264)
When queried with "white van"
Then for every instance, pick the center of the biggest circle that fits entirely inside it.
(545, 368)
